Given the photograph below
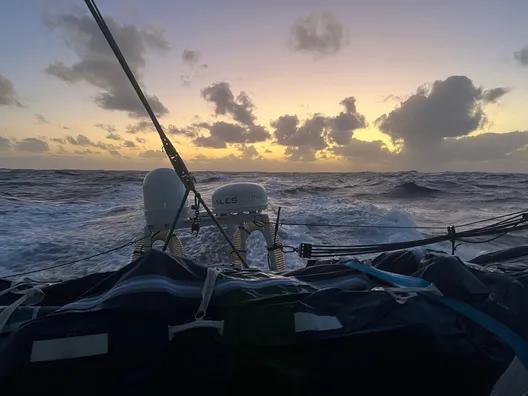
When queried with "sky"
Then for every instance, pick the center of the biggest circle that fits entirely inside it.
(297, 85)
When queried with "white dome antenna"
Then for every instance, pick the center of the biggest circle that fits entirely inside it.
(239, 198)
(163, 193)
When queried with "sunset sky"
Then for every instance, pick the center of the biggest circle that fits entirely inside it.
(291, 85)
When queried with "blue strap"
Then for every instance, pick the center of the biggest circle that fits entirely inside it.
(511, 338)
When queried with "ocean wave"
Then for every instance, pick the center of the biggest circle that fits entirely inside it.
(410, 189)
(53, 206)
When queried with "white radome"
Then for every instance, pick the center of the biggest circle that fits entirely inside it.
(163, 192)
(239, 198)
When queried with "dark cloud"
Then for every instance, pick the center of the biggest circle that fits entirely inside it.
(5, 144)
(190, 57)
(113, 136)
(492, 95)
(304, 139)
(141, 140)
(8, 96)
(31, 145)
(190, 131)
(303, 154)
(141, 127)
(249, 152)
(344, 124)
(240, 108)
(521, 56)
(98, 66)
(450, 108)
(209, 141)
(486, 147)
(320, 33)
(85, 141)
(360, 149)
(289, 131)
(80, 140)
(301, 139)
(221, 133)
(129, 144)
(41, 119)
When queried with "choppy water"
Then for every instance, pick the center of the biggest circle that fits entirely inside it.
(49, 217)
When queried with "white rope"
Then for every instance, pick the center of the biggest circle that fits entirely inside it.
(29, 296)
(207, 292)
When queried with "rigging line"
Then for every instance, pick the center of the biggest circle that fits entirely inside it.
(494, 238)
(78, 260)
(358, 226)
(176, 160)
(512, 220)
(328, 249)
(174, 157)
(494, 218)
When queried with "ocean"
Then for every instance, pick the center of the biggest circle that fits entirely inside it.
(51, 217)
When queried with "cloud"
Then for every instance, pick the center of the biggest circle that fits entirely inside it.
(98, 66)
(190, 57)
(249, 152)
(114, 136)
(185, 80)
(31, 145)
(5, 144)
(8, 96)
(41, 119)
(320, 33)
(85, 152)
(433, 129)
(449, 108)
(111, 131)
(492, 95)
(85, 141)
(344, 124)
(391, 97)
(191, 131)
(240, 108)
(154, 154)
(129, 144)
(304, 138)
(106, 127)
(221, 133)
(521, 56)
(373, 155)
(141, 127)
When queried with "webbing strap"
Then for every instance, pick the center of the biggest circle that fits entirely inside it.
(510, 337)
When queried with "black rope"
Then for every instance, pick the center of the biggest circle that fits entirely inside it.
(309, 250)
(282, 223)
(493, 218)
(78, 260)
